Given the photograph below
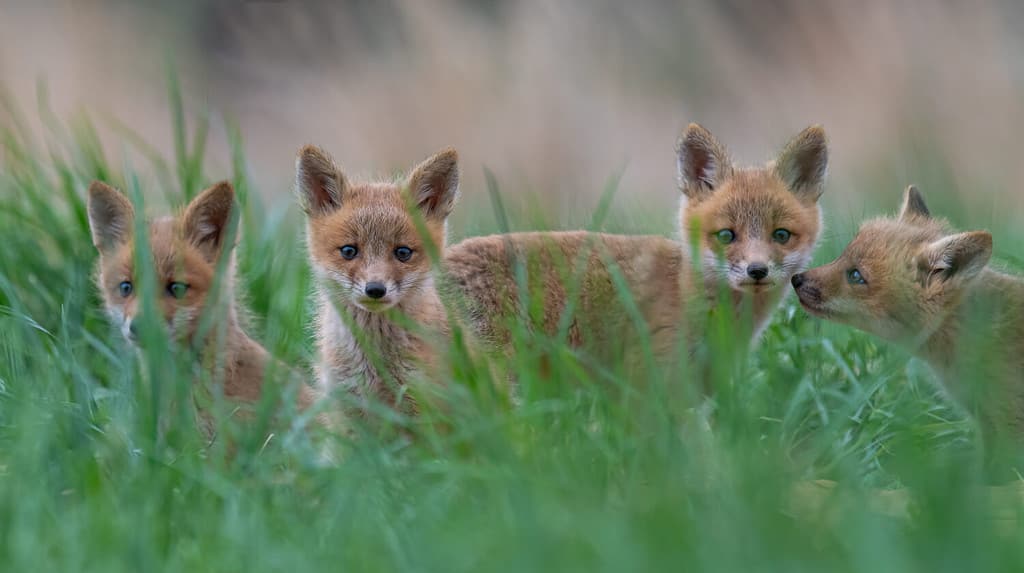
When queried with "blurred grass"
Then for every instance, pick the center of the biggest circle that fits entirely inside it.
(570, 478)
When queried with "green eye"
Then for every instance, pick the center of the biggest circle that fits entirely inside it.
(177, 290)
(781, 236)
(125, 288)
(349, 252)
(854, 277)
(725, 236)
(403, 253)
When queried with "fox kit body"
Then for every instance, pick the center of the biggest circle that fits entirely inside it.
(380, 318)
(185, 252)
(754, 228)
(913, 281)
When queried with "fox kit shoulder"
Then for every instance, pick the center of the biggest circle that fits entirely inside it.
(914, 281)
(186, 250)
(380, 317)
(754, 228)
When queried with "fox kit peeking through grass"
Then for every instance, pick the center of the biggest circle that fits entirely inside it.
(380, 315)
(185, 253)
(914, 281)
(755, 228)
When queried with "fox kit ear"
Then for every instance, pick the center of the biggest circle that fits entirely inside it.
(960, 257)
(110, 217)
(434, 184)
(702, 162)
(207, 217)
(318, 181)
(913, 205)
(803, 163)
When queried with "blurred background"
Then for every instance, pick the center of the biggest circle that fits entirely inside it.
(556, 97)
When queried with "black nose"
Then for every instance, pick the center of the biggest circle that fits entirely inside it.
(757, 271)
(375, 290)
(797, 280)
(133, 329)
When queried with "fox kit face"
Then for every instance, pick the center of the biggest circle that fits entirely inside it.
(185, 251)
(898, 277)
(363, 240)
(757, 227)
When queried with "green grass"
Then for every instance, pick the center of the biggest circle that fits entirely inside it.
(100, 470)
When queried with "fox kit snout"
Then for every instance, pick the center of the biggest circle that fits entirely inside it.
(185, 251)
(373, 263)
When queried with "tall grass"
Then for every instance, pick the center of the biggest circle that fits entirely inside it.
(585, 471)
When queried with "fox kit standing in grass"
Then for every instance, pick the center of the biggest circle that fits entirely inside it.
(185, 253)
(379, 316)
(913, 281)
(755, 228)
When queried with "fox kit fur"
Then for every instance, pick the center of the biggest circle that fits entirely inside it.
(914, 281)
(755, 228)
(185, 252)
(375, 275)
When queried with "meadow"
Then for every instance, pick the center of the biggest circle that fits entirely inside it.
(101, 468)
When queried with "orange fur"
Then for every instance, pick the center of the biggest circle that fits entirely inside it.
(399, 325)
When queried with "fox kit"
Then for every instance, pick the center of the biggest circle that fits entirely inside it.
(374, 273)
(913, 281)
(755, 228)
(185, 253)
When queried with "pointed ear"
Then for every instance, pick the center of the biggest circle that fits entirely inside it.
(956, 257)
(803, 163)
(913, 205)
(434, 184)
(318, 182)
(207, 218)
(110, 217)
(701, 161)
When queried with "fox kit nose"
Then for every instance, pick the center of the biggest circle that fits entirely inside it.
(133, 329)
(797, 280)
(375, 290)
(757, 271)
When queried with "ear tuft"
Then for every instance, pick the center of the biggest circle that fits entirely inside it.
(110, 217)
(803, 163)
(961, 257)
(318, 182)
(702, 162)
(913, 205)
(434, 184)
(207, 218)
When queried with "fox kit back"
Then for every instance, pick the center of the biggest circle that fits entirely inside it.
(913, 281)
(754, 228)
(379, 315)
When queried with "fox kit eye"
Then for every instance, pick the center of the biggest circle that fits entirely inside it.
(349, 252)
(403, 254)
(125, 288)
(177, 290)
(854, 277)
(725, 236)
(781, 236)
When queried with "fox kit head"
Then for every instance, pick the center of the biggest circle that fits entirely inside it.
(185, 252)
(898, 277)
(756, 227)
(363, 239)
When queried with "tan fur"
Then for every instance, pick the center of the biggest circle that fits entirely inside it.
(925, 287)
(661, 277)
(404, 330)
(185, 249)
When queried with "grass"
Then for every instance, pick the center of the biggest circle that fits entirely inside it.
(99, 469)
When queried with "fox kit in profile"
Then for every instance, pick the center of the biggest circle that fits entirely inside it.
(185, 252)
(374, 274)
(914, 281)
(755, 228)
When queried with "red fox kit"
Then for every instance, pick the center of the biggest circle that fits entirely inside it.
(755, 227)
(913, 281)
(185, 253)
(374, 273)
